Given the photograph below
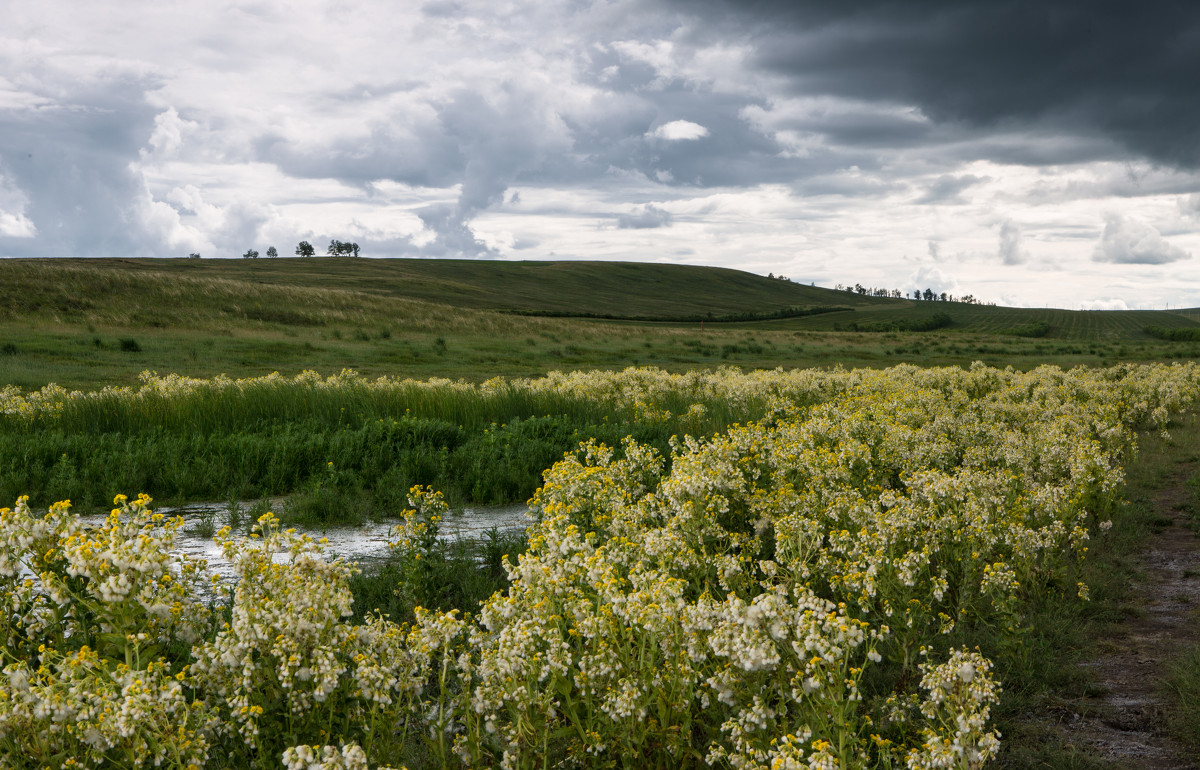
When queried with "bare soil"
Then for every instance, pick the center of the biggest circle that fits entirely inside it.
(1125, 723)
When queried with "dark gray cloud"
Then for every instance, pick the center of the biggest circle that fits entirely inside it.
(69, 152)
(1117, 70)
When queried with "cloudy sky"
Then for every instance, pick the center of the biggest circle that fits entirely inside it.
(1030, 152)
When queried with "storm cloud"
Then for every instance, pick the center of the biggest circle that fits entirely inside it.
(1120, 71)
(876, 142)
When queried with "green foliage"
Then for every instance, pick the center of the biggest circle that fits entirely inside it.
(1183, 688)
(1034, 329)
(1186, 334)
(927, 323)
(339, 474)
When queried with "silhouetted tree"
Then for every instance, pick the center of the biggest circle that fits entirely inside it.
(305, 249)
(271, 252)
(250, 254)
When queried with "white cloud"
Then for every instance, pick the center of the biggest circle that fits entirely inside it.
(13, 205)
(931, 277)
(1127, 241)
(679, 131)
(1104, 303)
(1011, 252)
(16, 225)
(167, 137)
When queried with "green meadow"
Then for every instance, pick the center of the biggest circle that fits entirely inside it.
(88, 323)
(85, 324)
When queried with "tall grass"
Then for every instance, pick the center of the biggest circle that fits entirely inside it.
(346, 446)
(185, 406)
(339, 474)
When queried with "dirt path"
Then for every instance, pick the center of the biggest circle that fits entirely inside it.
(1125, 724)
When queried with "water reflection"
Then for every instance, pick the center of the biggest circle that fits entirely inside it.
(360, 544)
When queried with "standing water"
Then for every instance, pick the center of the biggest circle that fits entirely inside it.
(361, 544)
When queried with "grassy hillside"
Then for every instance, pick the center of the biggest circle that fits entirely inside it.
(612, 289)
(82, 323)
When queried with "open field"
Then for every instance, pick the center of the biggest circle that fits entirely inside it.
(740, 565)
(88, 323)
(872, 575)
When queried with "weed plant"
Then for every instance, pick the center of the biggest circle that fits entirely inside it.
(460, 574)
(1183, 688)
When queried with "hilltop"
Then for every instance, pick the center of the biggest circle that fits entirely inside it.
(597, 289)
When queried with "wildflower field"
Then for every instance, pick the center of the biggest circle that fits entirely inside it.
(815, 569)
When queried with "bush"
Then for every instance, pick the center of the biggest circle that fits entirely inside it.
(1184, 334)
(1035, 329)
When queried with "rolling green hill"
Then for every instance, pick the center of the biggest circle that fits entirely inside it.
(87, 322)
(604, 289)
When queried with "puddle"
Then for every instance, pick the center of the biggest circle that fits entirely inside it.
(360, 544)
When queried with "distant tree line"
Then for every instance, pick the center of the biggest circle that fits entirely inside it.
(928, 295)
(305, 249)
(336, 249)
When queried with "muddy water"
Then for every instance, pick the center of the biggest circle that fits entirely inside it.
(360, 544)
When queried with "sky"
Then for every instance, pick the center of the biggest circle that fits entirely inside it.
(1027, 152)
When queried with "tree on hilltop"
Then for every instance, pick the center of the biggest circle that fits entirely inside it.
(305, 249)
(338, 248)
(271, 252)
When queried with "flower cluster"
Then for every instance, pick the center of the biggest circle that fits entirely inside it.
(78, 708)
(960, 694)
(90, 611)
(305, 757)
